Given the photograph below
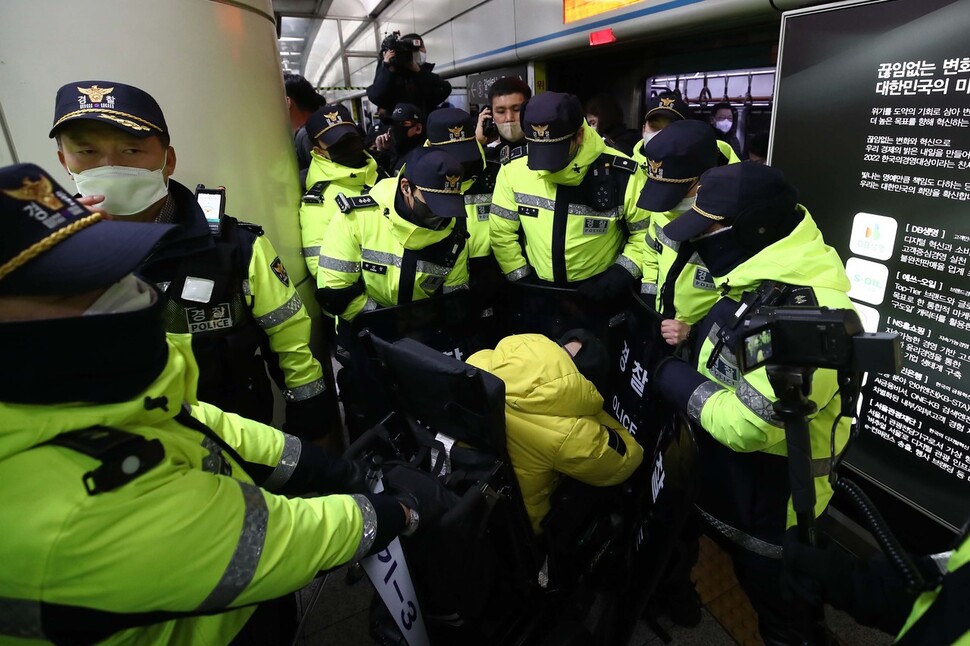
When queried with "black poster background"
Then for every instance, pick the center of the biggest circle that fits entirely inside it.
(824, 103)
(478, 84)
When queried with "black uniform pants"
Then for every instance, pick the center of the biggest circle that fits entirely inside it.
(748, 493)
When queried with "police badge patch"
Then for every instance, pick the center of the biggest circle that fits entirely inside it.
(280, 271)
(595, 226)
(208, 319)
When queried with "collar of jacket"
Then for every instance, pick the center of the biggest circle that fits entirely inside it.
(192, 234)
(410, 235)
(800, 258)
(325, 170)
(589, 151)
(26, 425)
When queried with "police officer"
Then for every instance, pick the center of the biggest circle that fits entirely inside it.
(762, 248)
(574, 198)
(409, 246)
(674, 279)
(340, 166)
(453, 130)
(664, 109)
(173, 514)
(506, 101)
(228, 289)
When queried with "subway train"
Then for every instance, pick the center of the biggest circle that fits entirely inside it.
(862, 104)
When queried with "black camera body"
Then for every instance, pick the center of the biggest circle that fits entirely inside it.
(403, 48)
(815, 337)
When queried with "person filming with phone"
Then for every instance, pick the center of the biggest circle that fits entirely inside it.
(405, 76)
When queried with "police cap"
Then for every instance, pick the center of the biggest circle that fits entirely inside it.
(756, 200)
(668, 104)
(438, 176)
(550, 120)
(454, 130)
(330, 124)
(676, 157)
(51, 244)
(123, 106)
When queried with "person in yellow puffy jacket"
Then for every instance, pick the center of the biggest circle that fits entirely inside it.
(133, 513)
(555, 422)
(339, 166)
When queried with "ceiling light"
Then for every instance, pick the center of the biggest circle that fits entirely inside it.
(291, 39)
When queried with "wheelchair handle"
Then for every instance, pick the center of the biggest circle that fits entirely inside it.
(356, 450)
(453, 516)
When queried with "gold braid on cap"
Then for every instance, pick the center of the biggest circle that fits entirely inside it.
(709, 216)
(553, 141)
(46, 244)
(444, 191)
(669, 180)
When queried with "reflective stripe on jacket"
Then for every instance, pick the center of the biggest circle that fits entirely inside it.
(193, 534)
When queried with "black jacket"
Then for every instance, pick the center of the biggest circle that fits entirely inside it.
(424, 88)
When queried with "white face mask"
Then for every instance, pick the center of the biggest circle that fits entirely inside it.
(713, 233)
(510, 131)
(724, 125)
(420, 58)
(685, 204)
(127, 295)
(126, 190)
(647, 136)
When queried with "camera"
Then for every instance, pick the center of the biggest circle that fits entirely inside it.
(403, 48)
(815, 337)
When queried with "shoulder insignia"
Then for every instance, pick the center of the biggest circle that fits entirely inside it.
(314, 194)
(280, 271)
(348, 204)
(251, 227)
(508, 154)
(801, 297)
(623, 163)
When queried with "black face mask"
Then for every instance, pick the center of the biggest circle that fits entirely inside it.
(424, 217)
(400, 139)
(720, 252)
(349, 152)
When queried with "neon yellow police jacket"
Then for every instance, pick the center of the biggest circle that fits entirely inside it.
(193, 534)
(373, 245)
(555, 422)
(315, 217)
(586, 241)
(694, 292)
(739, 414)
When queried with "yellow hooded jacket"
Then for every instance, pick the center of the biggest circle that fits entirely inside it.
(555, 422)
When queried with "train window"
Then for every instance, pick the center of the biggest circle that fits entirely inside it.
(750, 92)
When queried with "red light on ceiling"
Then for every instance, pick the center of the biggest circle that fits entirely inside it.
(602, 37)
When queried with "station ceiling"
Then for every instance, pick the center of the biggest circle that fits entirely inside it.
(301, 20)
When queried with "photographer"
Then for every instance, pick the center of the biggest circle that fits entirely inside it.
(760, 245)
(405, 77)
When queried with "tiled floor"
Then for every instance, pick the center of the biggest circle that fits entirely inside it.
(340, 617)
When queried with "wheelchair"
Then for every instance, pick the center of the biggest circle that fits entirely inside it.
(480, 574)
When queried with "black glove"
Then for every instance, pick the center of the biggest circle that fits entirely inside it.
(608, 286)
(419, 491)
(871, 591)
(309, 419)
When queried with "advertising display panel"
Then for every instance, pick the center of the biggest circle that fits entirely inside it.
(872, 125)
